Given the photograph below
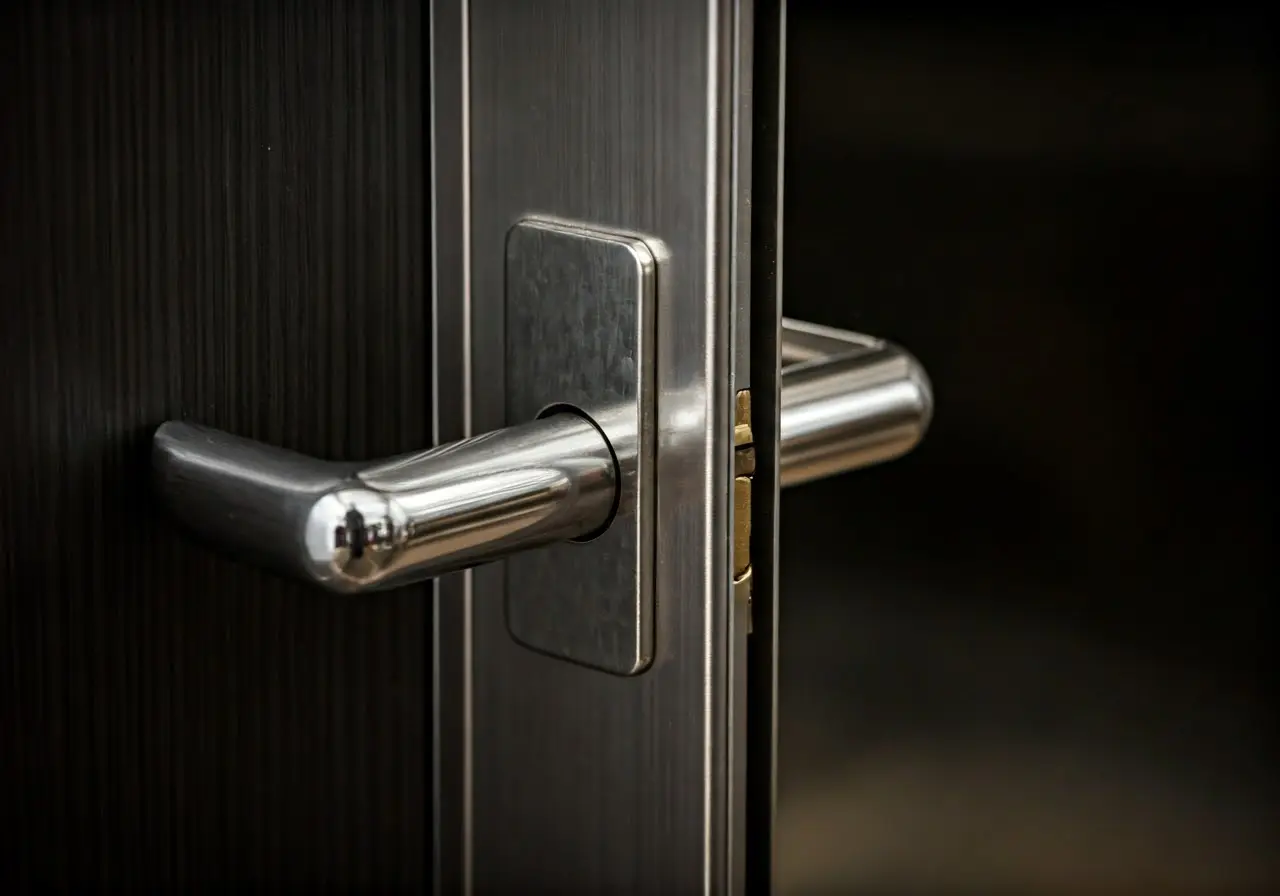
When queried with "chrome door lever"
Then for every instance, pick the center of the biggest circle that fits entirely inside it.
(847, 401)
(353, 527)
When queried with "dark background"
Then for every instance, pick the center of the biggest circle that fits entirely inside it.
(1031, 656)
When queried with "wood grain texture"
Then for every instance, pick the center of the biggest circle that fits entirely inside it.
(215, 214)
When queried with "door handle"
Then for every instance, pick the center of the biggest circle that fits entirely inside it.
(848, 401)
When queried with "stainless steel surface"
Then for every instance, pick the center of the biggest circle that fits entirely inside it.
(579, 330)
(616, 113)
(803, 341)
(449, 193)
(851, 402)
(855, 402)
(351, 528)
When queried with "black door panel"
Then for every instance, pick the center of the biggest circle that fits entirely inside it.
(212, 214)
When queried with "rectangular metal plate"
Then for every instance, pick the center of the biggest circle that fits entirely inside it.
(579, 322)
(633, 115)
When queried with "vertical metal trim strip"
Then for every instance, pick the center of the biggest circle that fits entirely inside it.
(452, 734)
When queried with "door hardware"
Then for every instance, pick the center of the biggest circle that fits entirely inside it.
(576, 465)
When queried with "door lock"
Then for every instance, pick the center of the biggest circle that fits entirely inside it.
(572, 475)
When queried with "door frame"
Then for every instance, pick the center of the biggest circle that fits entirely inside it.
(638, 116)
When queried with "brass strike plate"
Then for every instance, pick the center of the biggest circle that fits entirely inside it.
(744, 467)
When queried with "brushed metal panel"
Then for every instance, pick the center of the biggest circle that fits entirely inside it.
(621, 114)
(579, 322)
(451, 407)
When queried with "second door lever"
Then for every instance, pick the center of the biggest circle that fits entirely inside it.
(848, 401)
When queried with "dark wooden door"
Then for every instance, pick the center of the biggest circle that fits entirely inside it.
(212, 212)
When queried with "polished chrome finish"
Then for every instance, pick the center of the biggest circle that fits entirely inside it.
(852, 401)
(803, 342)
(580, 330)
(351, 528)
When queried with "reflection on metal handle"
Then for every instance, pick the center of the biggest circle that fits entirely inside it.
(847, 401)
(356, 529)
